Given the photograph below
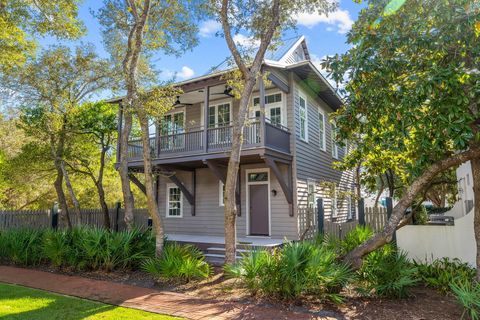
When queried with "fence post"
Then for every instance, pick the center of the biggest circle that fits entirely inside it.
(320, 215)
(118, 206)
(54, 216)
(361, 211)
(389, 205)
(149, 223)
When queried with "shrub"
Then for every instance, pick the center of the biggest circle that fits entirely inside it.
(388, 273)
(468, 295)
(21, 246)
(178, 262)
(355, 237)
(299, 268)
(441, 273)
(80, 248)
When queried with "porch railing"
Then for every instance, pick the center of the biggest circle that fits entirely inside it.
(218, 139)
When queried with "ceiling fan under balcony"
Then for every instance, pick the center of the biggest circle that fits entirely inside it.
(227, 92)
(178, 103)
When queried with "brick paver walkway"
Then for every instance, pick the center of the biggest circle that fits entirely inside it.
(171, 303)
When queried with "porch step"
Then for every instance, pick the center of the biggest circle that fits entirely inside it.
(217, 259)
(222, 250)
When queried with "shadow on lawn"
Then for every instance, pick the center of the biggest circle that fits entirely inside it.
(26, 303)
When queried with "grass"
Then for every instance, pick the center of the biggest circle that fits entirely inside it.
(24, 303)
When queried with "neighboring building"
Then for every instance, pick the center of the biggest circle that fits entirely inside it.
(286, 159)
(430, 242)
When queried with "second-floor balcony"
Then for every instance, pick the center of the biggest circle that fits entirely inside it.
(216, 139)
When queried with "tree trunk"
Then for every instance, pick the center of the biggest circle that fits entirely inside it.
(62, 201)
(380, 191)
(355, 256)
(152, 204)
(99, 185)
(128, 199)
(475, 162)
(71, 192)
(232, 173)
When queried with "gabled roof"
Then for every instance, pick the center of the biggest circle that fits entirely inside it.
(290, 51)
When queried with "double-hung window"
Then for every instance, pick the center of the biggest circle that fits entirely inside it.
(303, 118)
(321, 131)
(174, 201)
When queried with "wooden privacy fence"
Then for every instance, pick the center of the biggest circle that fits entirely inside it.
(43, 219)
(313, 221)
(34, 219)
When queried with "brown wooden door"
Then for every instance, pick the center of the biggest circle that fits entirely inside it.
(259, 224)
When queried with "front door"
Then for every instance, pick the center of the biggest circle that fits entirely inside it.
(258, 208)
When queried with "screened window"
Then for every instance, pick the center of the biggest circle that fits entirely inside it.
(174, 201)
(334, 141)
(321, 131)
(303, 119)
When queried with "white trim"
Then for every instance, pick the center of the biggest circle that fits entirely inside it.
(167, 201)
(302, 96)
(215, 104)
(311, 182)
(335, 147)
(220, 194)
(247, 209)
(324, 138)
(268, 106)
(291, 50)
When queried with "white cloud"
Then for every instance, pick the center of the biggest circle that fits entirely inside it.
(209, 28)
(185, 73)
(339, 18)
(245, 41)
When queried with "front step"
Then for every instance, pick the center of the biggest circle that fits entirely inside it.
(216, 255)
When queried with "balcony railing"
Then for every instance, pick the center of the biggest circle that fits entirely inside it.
(218, 139)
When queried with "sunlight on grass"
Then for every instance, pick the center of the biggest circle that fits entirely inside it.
(24, 303)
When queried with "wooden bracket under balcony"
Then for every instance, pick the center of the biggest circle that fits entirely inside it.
(287, 190)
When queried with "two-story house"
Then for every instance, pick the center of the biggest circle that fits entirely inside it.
(287, 153)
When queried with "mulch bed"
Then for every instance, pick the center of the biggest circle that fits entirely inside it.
(425, 303)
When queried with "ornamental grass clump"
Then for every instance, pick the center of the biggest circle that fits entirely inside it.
(178, 263)
(79, 248)
(295, 270)
(21, 246)
(468, 295)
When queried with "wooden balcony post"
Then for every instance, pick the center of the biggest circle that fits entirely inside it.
(205, 118)
(261, 87)
(119, 129)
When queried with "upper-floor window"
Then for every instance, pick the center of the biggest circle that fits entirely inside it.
(273, 108)
(321, 130)
(174, 201)
(219, 115)
(303, 118)
(173, 123)
(334, 141)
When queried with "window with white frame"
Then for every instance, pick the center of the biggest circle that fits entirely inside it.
(321, 130)
(274, 108)
(334, 141)
(349, 209)
(303, 118)
(221, 193)
(334, 203)
(311, 189)
(174, 201)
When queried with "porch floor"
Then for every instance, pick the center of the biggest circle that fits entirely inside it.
(254, 241)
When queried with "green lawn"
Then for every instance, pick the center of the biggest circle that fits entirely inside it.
(24, 303)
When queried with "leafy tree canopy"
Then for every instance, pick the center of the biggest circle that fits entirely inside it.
(413, 87)
(20, 20)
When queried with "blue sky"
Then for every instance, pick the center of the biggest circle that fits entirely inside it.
(325, 36)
